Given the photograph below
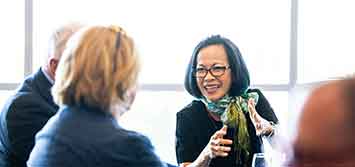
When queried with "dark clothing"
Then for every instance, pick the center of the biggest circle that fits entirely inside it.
(80, 136)
(23, 115)
(195, 127)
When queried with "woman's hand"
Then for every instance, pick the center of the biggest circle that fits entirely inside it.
(218, 146)
(262, 126)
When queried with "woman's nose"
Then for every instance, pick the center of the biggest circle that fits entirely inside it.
(209, 76)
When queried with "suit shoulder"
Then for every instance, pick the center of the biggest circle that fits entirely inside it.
(21, 102)
(25, 92)
(18, 97)
(25, 99)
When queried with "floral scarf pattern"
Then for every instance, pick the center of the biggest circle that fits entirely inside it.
(232, 111)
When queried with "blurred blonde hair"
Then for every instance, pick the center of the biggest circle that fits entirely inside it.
(98, 67)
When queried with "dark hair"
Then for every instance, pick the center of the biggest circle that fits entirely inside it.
(239, 71)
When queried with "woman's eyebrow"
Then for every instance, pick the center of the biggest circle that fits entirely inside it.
(214, 64)
(218, 64)
(201, 65)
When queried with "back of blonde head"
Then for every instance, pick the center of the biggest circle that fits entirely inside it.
(97, 69)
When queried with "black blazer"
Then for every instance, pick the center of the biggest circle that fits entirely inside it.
(22, 116)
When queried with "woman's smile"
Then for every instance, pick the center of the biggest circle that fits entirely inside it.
(212, 88)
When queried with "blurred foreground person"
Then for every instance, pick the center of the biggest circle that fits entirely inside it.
(95, 85)
(325, 135)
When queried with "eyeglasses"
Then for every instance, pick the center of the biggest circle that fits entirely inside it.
(215, 71)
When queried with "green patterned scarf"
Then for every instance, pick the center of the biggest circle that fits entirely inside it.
(232, 112)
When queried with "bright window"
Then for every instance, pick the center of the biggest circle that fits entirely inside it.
(4, 95)
(326, 39)
(12, 41)
(157, 122)
(167, 31)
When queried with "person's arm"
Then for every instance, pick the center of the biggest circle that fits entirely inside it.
(25, 118)
(216, 147)
(262, 115)
(262, 126)
(203, 160)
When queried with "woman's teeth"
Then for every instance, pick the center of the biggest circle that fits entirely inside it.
(211, 88)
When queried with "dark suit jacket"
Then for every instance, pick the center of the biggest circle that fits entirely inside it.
(22, 116)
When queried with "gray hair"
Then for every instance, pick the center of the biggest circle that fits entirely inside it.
(59, 38)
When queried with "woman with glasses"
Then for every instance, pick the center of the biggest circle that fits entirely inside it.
(224, 125)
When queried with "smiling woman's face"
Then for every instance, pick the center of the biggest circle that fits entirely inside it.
(211, 87)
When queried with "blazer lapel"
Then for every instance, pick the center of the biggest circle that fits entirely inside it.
(44, 87)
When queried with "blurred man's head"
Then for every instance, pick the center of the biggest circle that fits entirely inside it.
(326, 126)
(57, 43)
